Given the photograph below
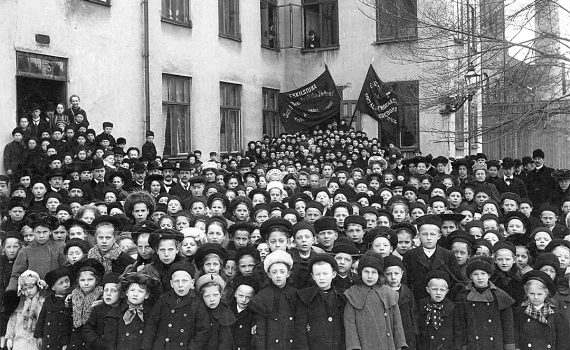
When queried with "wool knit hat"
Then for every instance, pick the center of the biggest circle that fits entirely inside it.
(480, 263)
(210, 278)
(278, 256)
(373, 260)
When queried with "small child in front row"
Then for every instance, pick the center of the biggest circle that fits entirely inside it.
(124, 324)
(274, 305)
(245, 289)
(320, 308)
(485, 309)
(22, 323)
(94, 329)
(393, 273)
(54, 323)
(538, 323)
(371, 316)
(439, 322)
(221, 318)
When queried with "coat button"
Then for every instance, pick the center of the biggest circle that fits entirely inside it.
(490, 320)
(330, 319)
(291, 318)
(170, 325)
(277, 340)
(432, 337)
(240, 326)
(127, 334)
(48, 323)
(443, 338)
(385, 314)
(140, 331)
(476, 337)
(275, 319)
(182, 331)
(166, 339)
(185, 315)
(548, 346)
(488, 304)
(528, 320)
(529, 345)
(290, 340)
(172, 311)
(473, 305)
(181, 344)
(388, 334)
(491, 338)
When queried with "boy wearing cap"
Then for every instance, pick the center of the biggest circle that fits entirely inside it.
(549, 218)
(55, 318)
(166, 244)
(439, 322)
(16, 214)
(148, 148)
(168, 320)
(94, 329)
(428, 256)
(319, 323)
(245, 289)
(14, 151)
(393, 273)
(346, 254)
(326, 233)
(275, 305)
(485, 309)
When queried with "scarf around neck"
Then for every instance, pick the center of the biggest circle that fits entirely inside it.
(82, 304)
(540, 315)
(107, 258)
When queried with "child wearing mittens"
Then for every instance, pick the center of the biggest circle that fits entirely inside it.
(485, 309)
(372, 318)
(54, 323)
(22, 323)
(538, 322)
(439, 322)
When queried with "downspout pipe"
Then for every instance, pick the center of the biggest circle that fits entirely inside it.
(146, 57)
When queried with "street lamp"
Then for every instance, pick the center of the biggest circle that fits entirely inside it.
(472, 80)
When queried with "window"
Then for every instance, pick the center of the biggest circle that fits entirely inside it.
(228, 12)
(176, 12)
(271, 123)
(407, 94)
(321, 23)
(230, 117)
(269, 24)
(102, 2)
(346, 112)
(396, 20)
(176, 113)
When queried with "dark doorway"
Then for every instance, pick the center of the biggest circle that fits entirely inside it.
(40, 91)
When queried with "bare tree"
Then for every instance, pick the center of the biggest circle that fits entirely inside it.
(516, 47)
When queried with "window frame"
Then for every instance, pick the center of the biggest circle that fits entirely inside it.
(271, 114)
(346, 112)
(407, 100)
(101, 2)
(222, 31)
(320, 31)
(174, 21)
(399, 5)
(270, 3)
(226, 110)
(188, 120)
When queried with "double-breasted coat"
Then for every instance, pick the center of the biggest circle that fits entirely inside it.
(242, 328)
(451, 333)
(55, 320)
(94, 329)
(120, 336)
(532, 334)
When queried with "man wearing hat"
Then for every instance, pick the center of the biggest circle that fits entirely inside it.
(197, 184)
(139, 175)
(167, 169)
(562, 191)
(428, 256)
(38, 125)
(182, 188)
(149, 149)
(97, 185)
(509, 182)
(107, 129)
(540, 182)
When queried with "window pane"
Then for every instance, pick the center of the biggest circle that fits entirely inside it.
(408, 125)
(407, 19)
(329, 25)
(387, 19)
(228, 13)
(269, 24)
(176, 113)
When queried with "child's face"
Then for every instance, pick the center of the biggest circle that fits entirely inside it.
(480, 278)
(355, 232)
(182, 222)
(491, 237)
(246, 264)
(263, 249)
(393, 275)
(167, 250)
(326, 238)
(241, 238)
(211, 296)
(522, 257)
(548, 218)
(215, 234)
(61, 286)
(63, 215)
(181, 283)
(509, 205)
(536, 294)
(41, 234)
(11, 248)
(166, 223)
(381, 245)
(515, 226)
(230, 268)
(549, 270)
(278, 273)
(136, 294)
(461, 252)
(400, 213)
(484, 251)
(323, 274)
(243, 295)
(429, 235)
(304, 241)
(541, 239)
(87, 281)
(30, 290)
(370, 276)
(74, 254)
(111, 293)
(563, 255)
(59, 233)
(277, 240)
(344, 262)
(188, 247)
(437, 289)
(17, 214)
(504, 259)
(438, 208)
(404, 242)
(212, 264)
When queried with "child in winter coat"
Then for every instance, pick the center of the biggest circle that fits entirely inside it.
(22, 323)
(371, 316)
(275, 305)
(538, 322)
(168, 320)
(124, 324)
(245, 288)
(485, 309)
(320, 322)
(84, 295)
(221, 318)
(440, 326)
(507, 275)
(12, 245)
(54, 323)
(94, 329)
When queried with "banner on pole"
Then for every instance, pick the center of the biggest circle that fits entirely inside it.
(310, 105)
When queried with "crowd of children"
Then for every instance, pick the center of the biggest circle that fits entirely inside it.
(309, 241)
